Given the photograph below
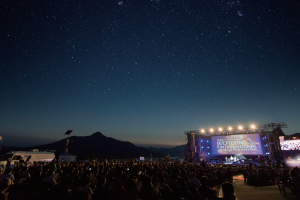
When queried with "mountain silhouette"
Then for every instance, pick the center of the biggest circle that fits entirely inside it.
(296, 134)
(97, 145)
(173, 152)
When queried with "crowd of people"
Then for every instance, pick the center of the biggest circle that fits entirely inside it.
(124, 180)
(262, 176)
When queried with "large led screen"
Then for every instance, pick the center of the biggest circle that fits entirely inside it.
(248, 144)
(290, 146)
(289, 143)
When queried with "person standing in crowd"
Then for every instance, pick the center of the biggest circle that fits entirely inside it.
(85, 186)
(8, 174)
(147, 190)
(50, 178)
(203, 163)
(254, 168)
(245, 174)
(25, 173)
(8, 163)
(53, 165)
(228, 192)
(28, 160)
(4, 185)
(17, 174)
(21, 161)
(193, 180)
(205, 190)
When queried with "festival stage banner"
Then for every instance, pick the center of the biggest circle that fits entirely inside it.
(248, 144)
(290, 149)
(289, 143)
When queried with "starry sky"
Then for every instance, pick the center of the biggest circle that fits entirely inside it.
(146, 71)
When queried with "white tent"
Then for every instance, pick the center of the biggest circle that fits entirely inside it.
(66, 157)
(240, 157)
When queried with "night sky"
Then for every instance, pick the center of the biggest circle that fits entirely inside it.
(146, 71)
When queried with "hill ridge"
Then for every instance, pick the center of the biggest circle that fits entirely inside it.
(96, 145)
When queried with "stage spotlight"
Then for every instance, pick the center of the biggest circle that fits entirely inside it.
(240, 127)
(253, 126)
(220, 129)
(211, 130)
(230, 128)
(202, 130)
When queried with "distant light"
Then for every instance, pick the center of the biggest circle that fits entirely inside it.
(240, 127)
(220, 129)
(208, 153)
(253, 126)
(211, 130)
(201, 140)
(202, 147)
(207, 141)
(229, 128)
(208, 147)
(202, 130)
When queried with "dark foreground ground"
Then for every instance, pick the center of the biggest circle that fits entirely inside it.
(244, 191)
